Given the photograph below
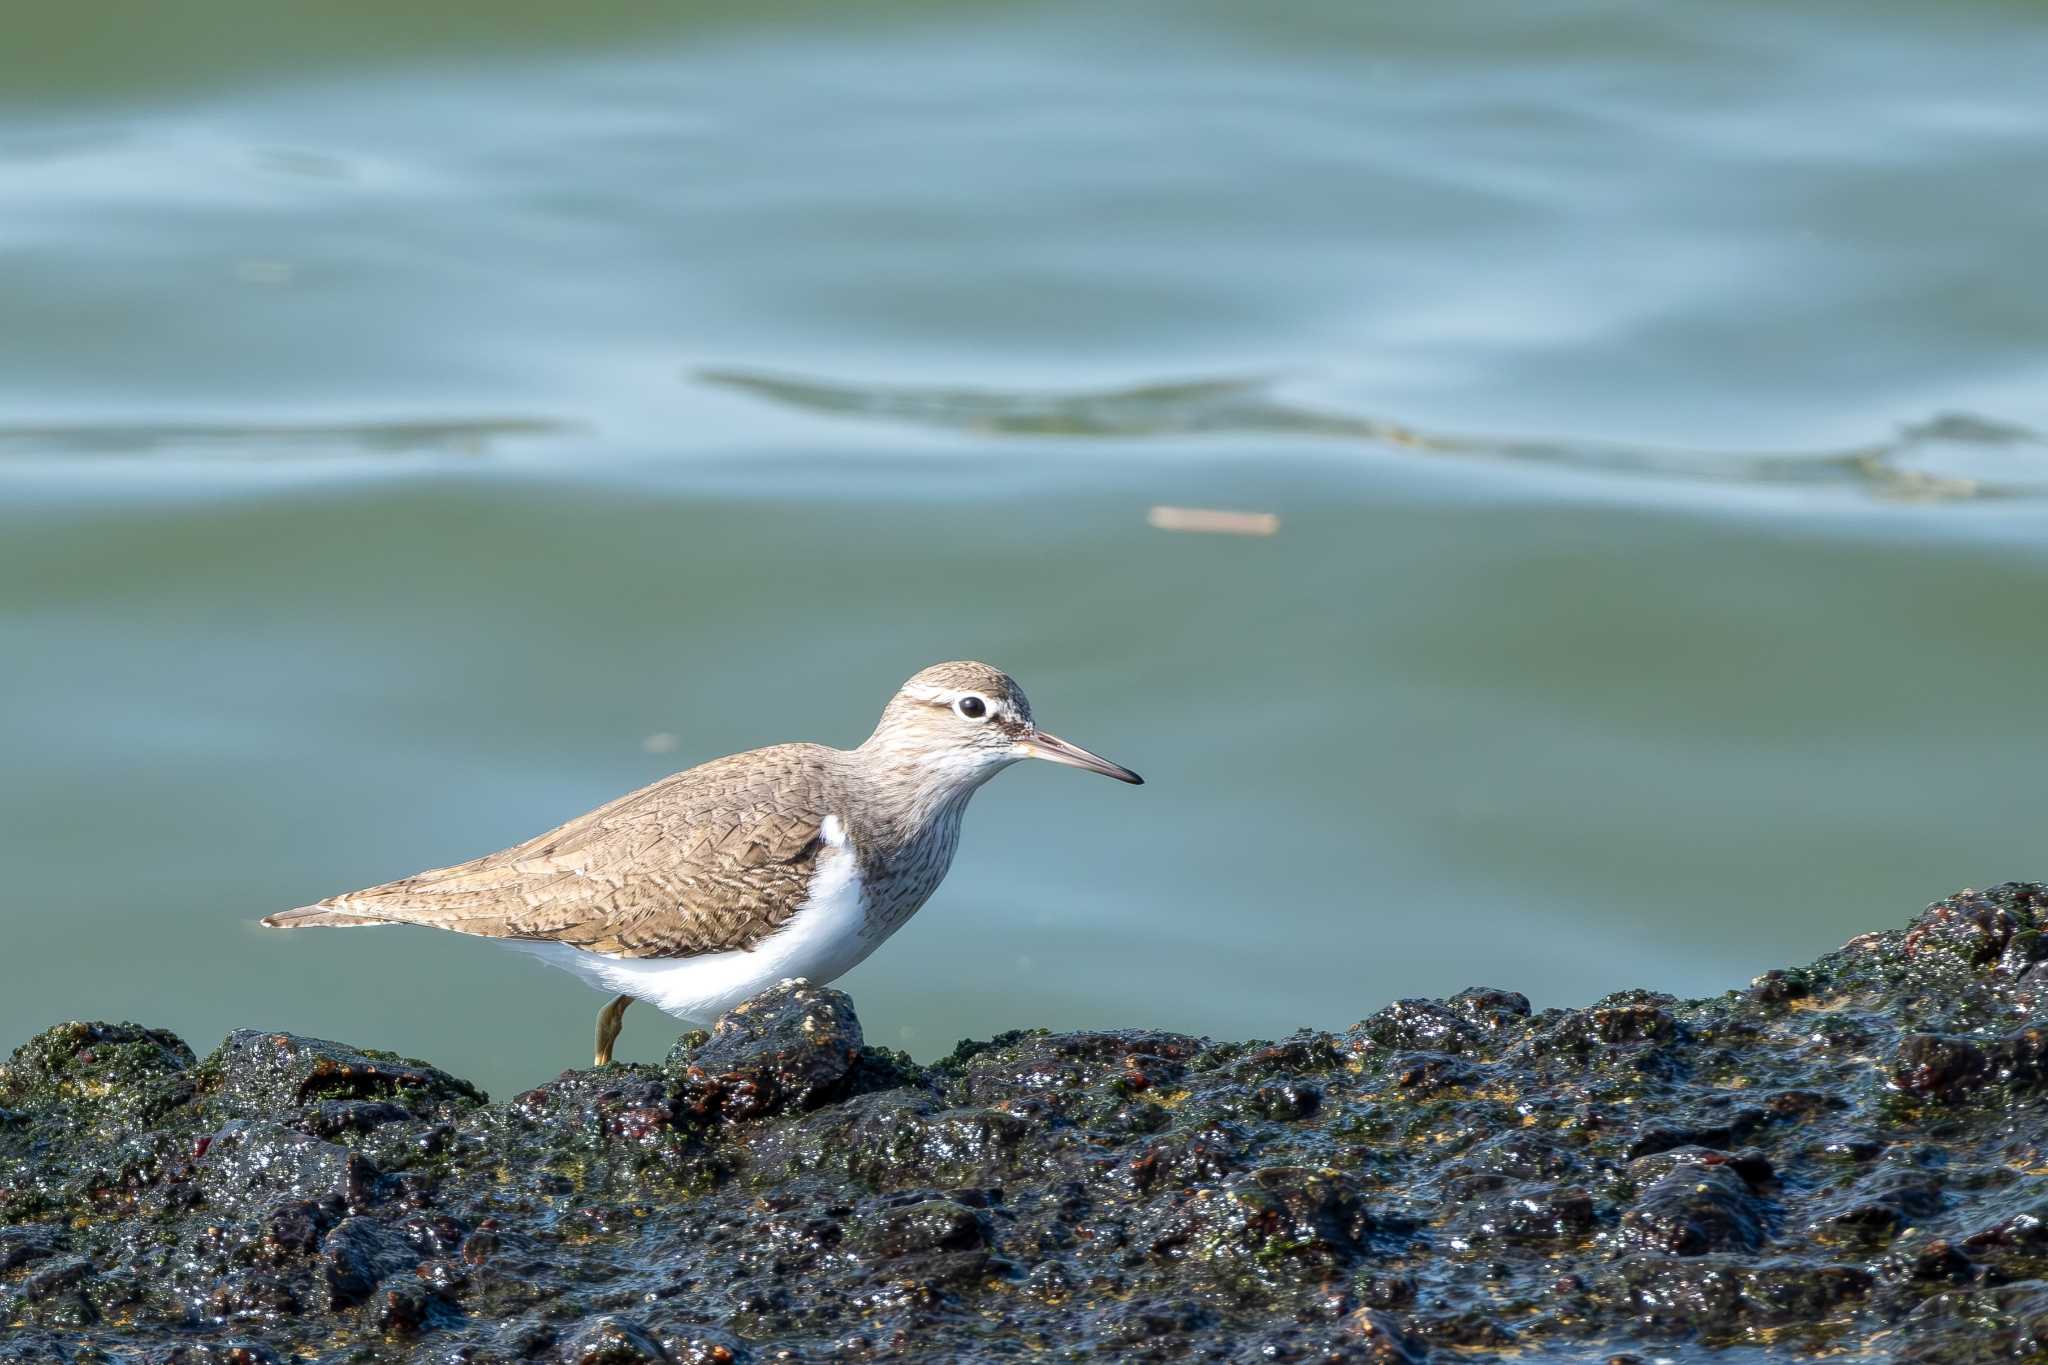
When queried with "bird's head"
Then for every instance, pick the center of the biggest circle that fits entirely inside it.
(964, 722)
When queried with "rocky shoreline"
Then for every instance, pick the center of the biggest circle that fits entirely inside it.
(1844, 1158)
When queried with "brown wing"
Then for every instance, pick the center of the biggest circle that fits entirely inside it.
(708, 860)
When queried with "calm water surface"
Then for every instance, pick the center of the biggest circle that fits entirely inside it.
(415, 432)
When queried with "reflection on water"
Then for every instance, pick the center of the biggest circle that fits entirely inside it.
(1949, 457)
(276, 440)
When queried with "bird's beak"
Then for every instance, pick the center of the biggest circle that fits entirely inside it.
(1039, 744)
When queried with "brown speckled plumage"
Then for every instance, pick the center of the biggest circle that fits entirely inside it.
(707, 860)
(720, 856)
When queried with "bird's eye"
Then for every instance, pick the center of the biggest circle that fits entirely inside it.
(972, 707)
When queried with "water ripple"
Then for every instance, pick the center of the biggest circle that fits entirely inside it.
(1950, 457)
(259, 440)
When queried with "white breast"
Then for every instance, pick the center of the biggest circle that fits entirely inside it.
(820, 942)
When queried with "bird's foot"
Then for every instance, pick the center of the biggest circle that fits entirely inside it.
(610, 1020)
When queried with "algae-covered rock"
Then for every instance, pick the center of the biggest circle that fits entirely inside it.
(1842, 1160)
(112, 1076)
(1275, 1217)
(271, 1075)
(248, 1166)
(936, 1240)
(30, 1242)
(789, 1048)
(613, 1341)
(216, 1353)
(360, 1254)
(1695, 1207)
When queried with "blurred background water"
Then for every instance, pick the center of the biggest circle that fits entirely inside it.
(416, 430)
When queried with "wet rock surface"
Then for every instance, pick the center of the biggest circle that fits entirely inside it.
(1843, 1159)
(791, 1047)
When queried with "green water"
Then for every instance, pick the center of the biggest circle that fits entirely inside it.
(405, 422)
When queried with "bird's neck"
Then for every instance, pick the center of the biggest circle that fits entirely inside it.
(907, 800)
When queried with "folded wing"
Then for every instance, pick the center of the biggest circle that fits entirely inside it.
(709, 860)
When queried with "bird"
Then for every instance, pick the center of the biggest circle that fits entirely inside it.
(701, 890)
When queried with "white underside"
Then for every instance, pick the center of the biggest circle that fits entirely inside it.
(821, 941)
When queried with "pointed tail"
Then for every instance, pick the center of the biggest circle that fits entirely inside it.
(318, 917)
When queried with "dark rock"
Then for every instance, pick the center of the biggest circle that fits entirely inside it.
(1967, 1326)
(1463, 1331)
(1523, 1154)
(1947, 1068)
(1387, 1341)
(2020, 1060)
(111, 1077)
(1525, 1215)
(248, 1166)
(1206, 1156)
(216, 1353)
(1489, 1008)
(334, 1118)
(792, 1047)
(1632, 1020)
(1277, 1216)
(33, 1242)
(1927, 1263)
(1063, 1070)
(91, 1056)
(296, 1228)
(613, 1341)
(1634, 1037)
(1429, 1073)
(432, 1234)
(402, 1309)
(359, 1255)
(1841, 1162)
(925, 1225)
(1778, 987)
(1789, 1290)
(1694, 1209)
(709, 1346)
(1937, 1067)
(1876, 1208)
(1722, 1298)
(932, 1241)
(1305, 1052)
(2023, 1230)
(55, 1277)
(1283, 1100)
(261, 1294)
(271, 1075)
(1976, 927)
(896, 1139)
(1417, 1026)
(1050, 1282)
(1139, 1325)
(1729, 1132)
(1801, 1105)
(1388, 1291)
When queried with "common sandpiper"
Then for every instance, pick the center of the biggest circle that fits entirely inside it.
(698, 892)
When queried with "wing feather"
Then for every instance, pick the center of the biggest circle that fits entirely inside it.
(709, 860)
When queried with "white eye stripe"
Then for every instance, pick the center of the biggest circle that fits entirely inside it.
(952, 697)
(948, 696)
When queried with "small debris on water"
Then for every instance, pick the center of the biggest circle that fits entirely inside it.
(660, 742)
(1213, 521)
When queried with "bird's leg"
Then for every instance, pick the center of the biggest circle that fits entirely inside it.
(609, 1021)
